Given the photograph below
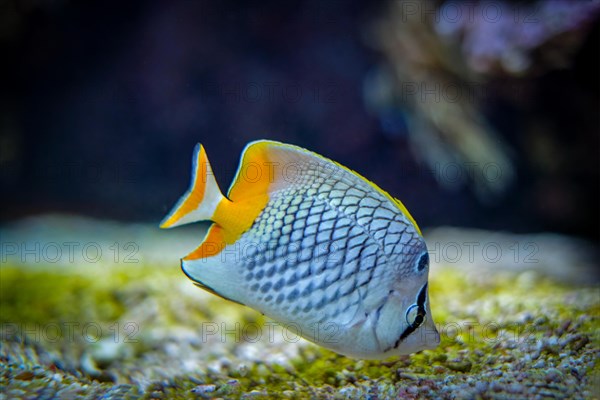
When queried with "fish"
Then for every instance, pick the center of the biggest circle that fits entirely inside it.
(314, 246)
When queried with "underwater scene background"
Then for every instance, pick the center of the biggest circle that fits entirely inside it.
(481, 117)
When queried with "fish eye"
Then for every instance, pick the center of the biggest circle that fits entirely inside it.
(423, 262)
(414, 316)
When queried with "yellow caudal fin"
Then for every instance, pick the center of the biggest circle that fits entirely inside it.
(200, 202)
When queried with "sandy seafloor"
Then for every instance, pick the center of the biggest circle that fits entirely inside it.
(95, 309)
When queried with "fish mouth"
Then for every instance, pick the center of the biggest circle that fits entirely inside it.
(432, 344)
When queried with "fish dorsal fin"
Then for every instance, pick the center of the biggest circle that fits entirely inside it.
(269, 166)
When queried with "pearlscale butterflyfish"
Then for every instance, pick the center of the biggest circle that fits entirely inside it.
(311, 243)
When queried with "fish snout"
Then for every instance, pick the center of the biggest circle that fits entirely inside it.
(431, 337)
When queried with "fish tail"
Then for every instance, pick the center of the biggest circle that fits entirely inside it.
(233, 215)
(201, 200)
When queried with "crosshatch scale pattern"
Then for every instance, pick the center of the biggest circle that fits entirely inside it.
(322, 245)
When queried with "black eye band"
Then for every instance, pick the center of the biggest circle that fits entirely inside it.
(419, 319)
(422, 298)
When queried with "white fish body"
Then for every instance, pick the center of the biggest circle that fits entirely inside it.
(315, 246)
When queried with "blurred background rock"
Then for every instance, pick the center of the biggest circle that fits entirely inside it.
(481, 115)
